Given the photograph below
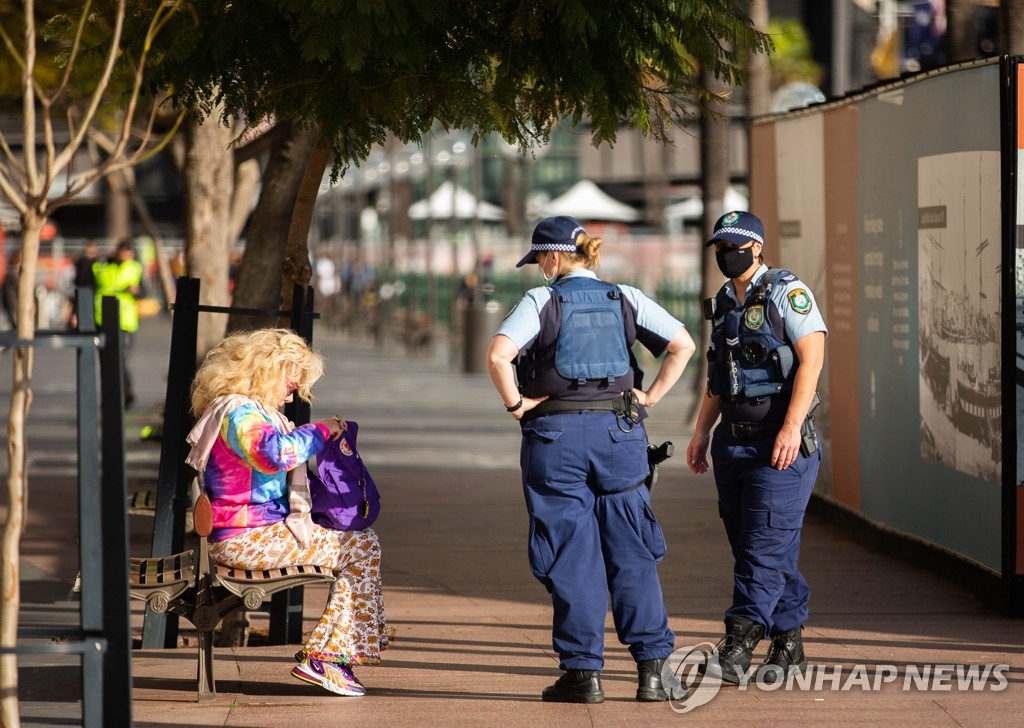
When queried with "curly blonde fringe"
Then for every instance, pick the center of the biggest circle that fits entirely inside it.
(254, 364)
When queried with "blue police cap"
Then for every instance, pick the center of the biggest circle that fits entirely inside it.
(553, 233)
(738, 228)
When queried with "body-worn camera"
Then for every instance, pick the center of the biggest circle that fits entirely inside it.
(710, 307)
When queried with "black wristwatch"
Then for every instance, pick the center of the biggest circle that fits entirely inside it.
(514, 407)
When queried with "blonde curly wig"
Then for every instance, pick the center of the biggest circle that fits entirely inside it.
(256, 364)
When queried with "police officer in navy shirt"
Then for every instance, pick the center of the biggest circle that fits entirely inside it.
(767, 348)
(563, 365)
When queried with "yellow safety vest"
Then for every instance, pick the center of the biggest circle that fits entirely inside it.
(115, 279)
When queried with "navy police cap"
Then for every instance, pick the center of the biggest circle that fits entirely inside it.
(553, 233)
(738, 228)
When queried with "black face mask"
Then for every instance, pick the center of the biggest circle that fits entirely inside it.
(734, 262)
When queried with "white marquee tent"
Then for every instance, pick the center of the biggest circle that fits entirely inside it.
(586, 201)
(439, 205)
(693, 207)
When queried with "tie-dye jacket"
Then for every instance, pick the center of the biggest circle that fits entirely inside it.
(245, 473)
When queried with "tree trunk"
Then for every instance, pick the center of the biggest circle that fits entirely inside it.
(17, 477)
(960, 34)
(247, 181)
(258, 284)
(118, 211)
(714, 161)
(1011, 27)
(758, 77)
(123, 183)
(295, 268)
(163, 265)
(208, 179)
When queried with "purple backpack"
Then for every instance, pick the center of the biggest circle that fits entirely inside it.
(344, 495)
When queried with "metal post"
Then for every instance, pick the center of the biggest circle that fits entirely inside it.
(90, 523)
(286, 606)
(117, 672)
(161, 630)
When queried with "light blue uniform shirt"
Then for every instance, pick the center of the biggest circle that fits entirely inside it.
(795, 302)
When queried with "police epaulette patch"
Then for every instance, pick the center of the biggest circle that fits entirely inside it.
(788, 278)
(800, 301)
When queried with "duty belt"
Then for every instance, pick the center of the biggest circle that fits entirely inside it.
(744, 431)
(625, 405)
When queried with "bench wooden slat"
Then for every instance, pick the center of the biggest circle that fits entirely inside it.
(310, 570)
(153, 572)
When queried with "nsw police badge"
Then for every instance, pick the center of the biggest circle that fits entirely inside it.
(800, 301)
(753, 319)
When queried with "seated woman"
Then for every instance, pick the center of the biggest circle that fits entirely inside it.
(243, 448)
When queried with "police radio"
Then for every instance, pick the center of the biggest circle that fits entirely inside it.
(710, 308)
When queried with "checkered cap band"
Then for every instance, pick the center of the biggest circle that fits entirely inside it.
(735, 232)
(562, 247)
(739, 228)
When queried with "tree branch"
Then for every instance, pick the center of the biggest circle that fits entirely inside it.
(64, 158)
(75, 48)
(258, 145)
(28, 104)
(11, 159)
(11, 192)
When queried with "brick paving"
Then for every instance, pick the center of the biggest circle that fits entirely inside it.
(471, 625)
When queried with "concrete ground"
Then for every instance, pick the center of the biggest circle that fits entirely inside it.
(471, 625)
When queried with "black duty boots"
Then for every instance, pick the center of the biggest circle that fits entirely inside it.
(785, 657)
(575, 686)
(653, 686)
(732, 657)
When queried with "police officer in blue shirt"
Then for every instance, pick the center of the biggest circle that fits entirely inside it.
(563, 365)
(766, 353)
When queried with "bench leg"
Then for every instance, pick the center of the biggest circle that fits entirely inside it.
(207, 684)
(205, 618)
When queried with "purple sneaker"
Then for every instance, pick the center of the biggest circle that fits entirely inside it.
(335, 678)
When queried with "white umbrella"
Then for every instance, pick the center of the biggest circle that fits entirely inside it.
(585, 201)
(439, 206)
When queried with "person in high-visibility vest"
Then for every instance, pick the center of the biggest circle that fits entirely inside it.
(121, 276)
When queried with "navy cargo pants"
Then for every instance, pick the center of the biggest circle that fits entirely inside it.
(592, 532)
(763, 510)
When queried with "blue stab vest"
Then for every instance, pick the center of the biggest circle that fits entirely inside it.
(749, 359)
(582, 352)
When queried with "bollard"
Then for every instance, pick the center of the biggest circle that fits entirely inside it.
(480, 322)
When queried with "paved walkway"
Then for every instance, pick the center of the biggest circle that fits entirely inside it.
(471, 625)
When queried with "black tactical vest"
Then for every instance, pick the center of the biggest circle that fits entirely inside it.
(750, 359)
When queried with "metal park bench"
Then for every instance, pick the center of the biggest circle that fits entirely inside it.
(190, 585)
(170, 510)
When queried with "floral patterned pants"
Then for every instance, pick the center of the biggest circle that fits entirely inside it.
(352, 628)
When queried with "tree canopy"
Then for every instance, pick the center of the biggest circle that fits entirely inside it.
(361, 68)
